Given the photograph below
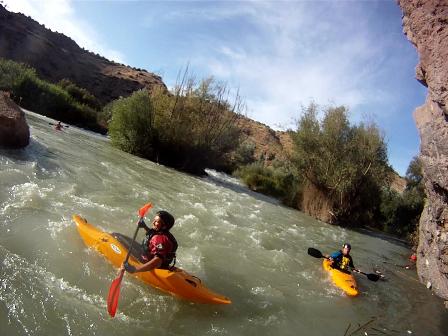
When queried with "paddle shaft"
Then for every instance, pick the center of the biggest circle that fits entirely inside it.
(132, 244)
(114, 290)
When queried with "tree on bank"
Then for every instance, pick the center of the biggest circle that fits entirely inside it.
(191, 129)
(343, 166)
(131, 128)
(339, 174)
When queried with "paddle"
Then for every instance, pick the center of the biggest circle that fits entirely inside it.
(114, 290)
(370, 276)
(317, 254)
(56, 124)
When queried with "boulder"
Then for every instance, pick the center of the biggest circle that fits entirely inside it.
(14, 130)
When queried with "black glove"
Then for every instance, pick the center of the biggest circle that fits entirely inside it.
(129, 268)
(141, 223)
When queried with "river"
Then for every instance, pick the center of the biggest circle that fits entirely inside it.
(241, 244)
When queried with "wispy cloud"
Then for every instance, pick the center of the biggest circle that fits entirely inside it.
(285, 56)
(59, 15)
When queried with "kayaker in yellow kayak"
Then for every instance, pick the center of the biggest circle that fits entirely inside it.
(342, 259)
(159, 244)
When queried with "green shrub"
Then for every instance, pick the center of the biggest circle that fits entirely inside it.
(191, 129)
(37, 95)
(244, 154)
(197, 125)
(345, 163)
(132, 125)
(12, 72)
(80, 94)
(277, 182)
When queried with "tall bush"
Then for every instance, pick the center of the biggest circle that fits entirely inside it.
(245, 153)
(197, 124)
(132, 125)
(278, 181)
(343, 166)
(80, 94)
(12, 73)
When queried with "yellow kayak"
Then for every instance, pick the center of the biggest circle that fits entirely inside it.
(345, 281)
(174, 281)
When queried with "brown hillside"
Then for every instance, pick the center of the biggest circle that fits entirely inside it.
(56, 56)
(269, 144)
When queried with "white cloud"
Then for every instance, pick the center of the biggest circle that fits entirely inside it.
(298, 52)
(59, 15)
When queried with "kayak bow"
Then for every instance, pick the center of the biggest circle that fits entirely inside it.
(344, 280)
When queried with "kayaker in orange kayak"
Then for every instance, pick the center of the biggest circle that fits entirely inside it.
(159, 244)
(342, 259)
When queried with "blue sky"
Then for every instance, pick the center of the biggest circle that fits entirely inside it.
(279, 54)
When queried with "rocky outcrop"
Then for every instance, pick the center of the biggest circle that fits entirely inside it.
(56, 56)
(14, 131)
(425, 23)
(397, 183)
(270, 145)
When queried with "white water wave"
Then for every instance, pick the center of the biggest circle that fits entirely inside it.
(55, 227)
(87, 203)
(31, 293)
(24, 195)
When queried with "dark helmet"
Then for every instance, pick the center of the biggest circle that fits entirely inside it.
(167, 219)
(347, 245)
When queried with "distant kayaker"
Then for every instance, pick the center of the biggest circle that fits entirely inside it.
(413, 260)
(58, 126)
(342, 259)
(159, 244)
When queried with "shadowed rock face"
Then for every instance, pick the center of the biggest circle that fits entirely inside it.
(14, 131)
(425, 23)
(56, 56)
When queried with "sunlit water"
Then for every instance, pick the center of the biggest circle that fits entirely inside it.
(243, 245)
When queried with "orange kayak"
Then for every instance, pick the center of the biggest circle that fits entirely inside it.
(174, 281)
(345, 281)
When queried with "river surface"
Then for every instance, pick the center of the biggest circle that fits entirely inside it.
(241, 244)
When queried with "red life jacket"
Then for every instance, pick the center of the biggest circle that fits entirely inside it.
(161, 244)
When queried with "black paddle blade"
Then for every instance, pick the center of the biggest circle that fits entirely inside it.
(372, 276)
(315, 253)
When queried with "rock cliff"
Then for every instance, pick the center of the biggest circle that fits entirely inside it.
(56, 56)
(269, 144)
(14, 130)
(425, 23)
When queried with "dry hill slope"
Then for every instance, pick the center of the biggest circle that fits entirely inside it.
(56, 56)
